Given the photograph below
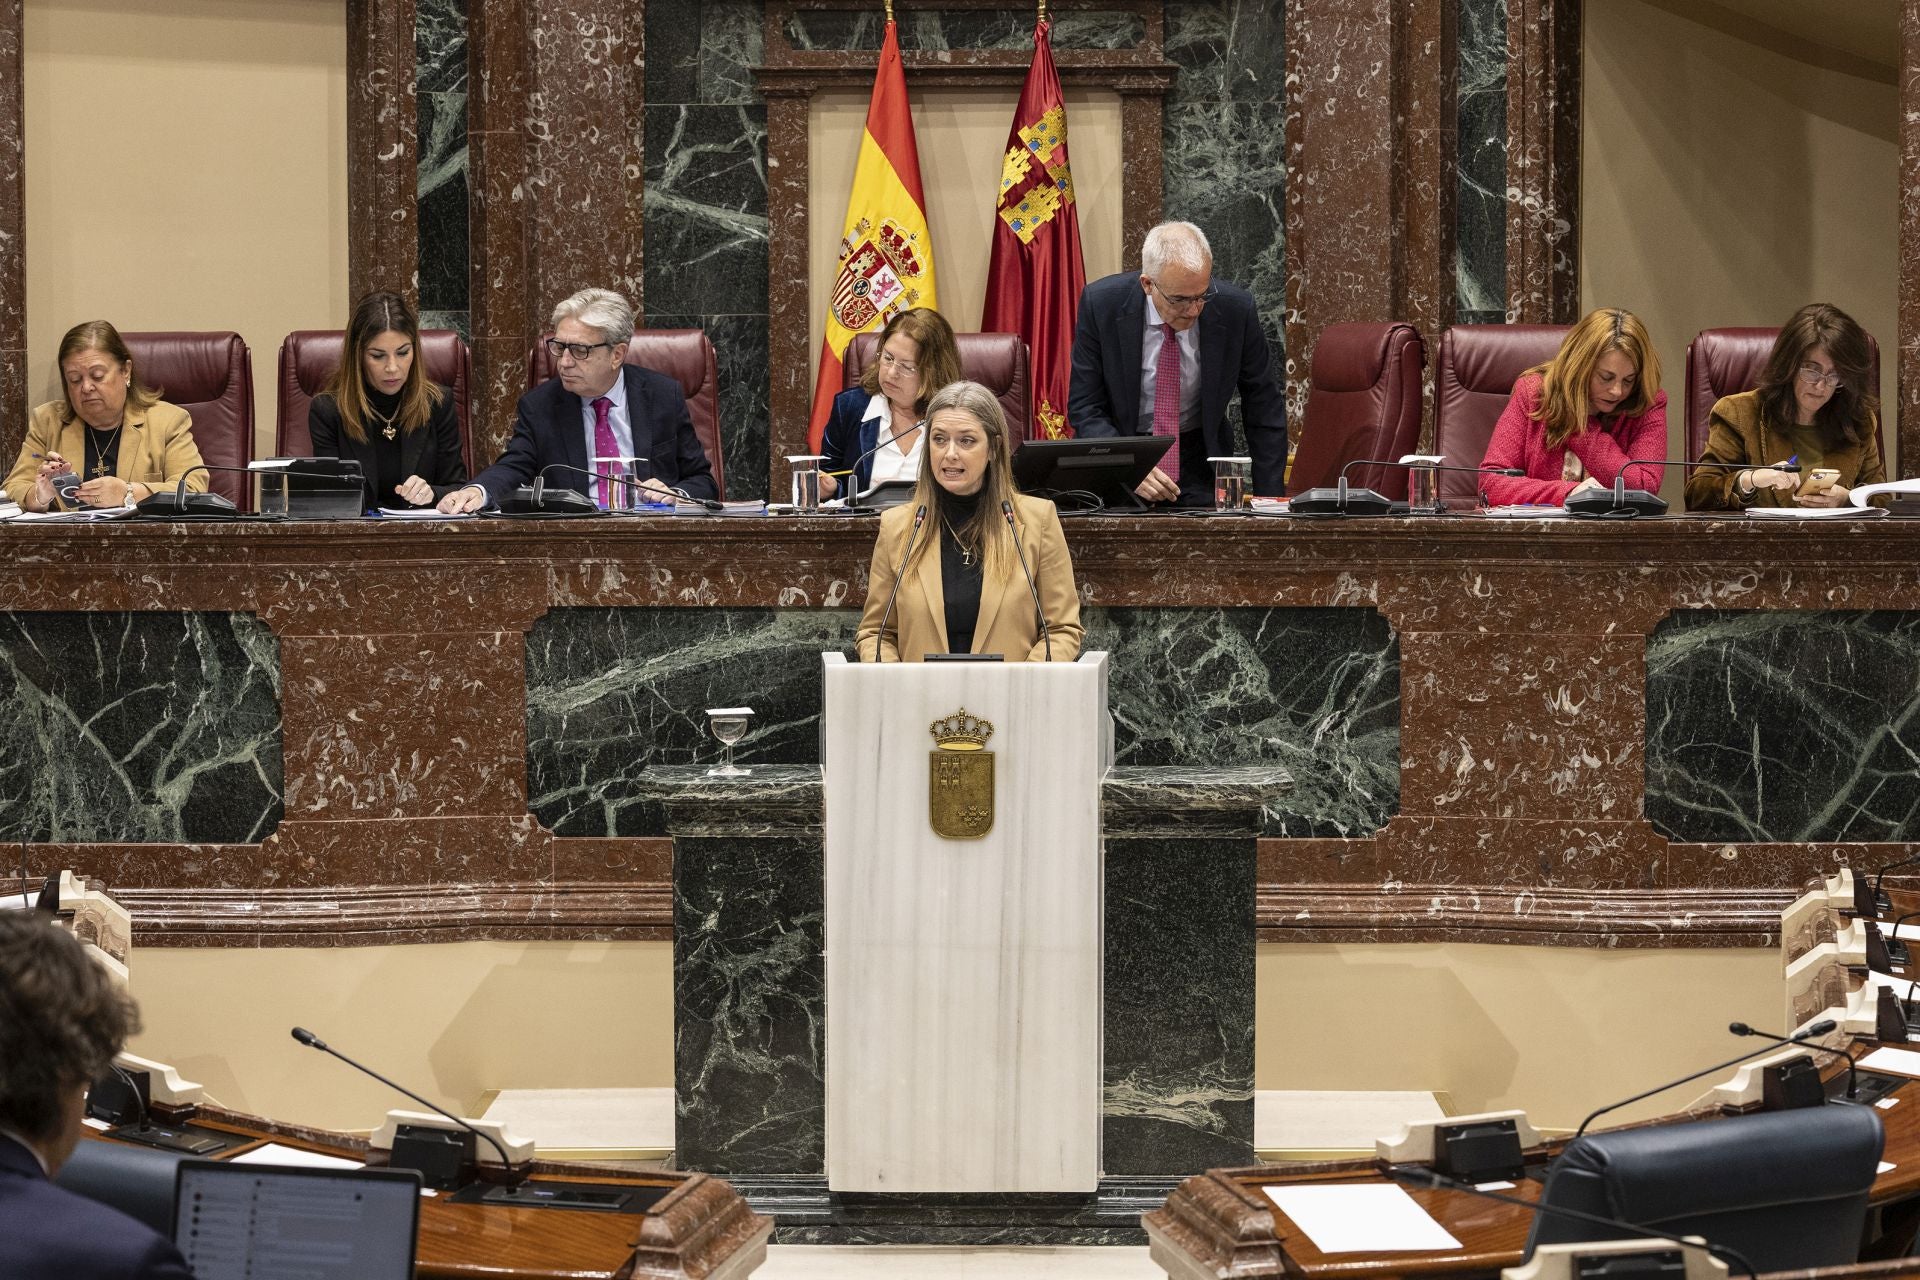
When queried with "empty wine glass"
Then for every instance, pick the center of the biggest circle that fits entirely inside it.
(729, 724)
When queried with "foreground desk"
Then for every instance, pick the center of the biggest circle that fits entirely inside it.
(420, 732)
(700, 1230)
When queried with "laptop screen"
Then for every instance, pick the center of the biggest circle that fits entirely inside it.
(261, 1222)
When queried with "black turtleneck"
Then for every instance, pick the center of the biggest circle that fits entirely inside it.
(387, 465)
(960, 582)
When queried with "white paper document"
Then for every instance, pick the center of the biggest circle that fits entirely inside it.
(1859, 497)
(420, 513)
(1859, 512)
(1902, 1062)
(1364, 1218)
(274, 1153)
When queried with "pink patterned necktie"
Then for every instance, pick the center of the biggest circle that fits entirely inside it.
(604, 446)
(1166, 400)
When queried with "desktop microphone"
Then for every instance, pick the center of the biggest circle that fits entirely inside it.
(313, 1041)
(1819, 1028)
(1622, 503)
(1421, 1177)
(179, 504)
(1046, 636)
(1853, 1081)
(919, 518)
(853, 495)
(1881, 874)
(1346, 501)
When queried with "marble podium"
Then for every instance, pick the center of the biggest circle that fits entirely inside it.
(963, 926)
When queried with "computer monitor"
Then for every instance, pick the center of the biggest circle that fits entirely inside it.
(275, 1222)
(1109, 467)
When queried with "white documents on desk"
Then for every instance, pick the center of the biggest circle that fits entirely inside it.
(1368, 1217)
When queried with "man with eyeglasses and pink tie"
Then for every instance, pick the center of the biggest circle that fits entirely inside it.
(1160, 351)
(596, 406)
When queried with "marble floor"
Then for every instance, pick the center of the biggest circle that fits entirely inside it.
(918, 1262)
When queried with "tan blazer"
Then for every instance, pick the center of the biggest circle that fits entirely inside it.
(1736, 434)
(1006, 625)
(156, 447)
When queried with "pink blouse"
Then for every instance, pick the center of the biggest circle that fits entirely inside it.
(1603, 449)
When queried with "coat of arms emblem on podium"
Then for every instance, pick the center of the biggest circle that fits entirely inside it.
(960, 777)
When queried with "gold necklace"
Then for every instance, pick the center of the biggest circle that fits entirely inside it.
(389, 431)
(100, 462)
(966, 552)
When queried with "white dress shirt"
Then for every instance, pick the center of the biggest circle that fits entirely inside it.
(889, 463)
(1189, 340)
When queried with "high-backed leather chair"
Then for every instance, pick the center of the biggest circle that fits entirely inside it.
(1725, 362)
(684, 355)
(1786, 1189)
(1363, 401)
(309, 356)
(138, 1181)
(999, 362)
(210, 375)
(1472, 381)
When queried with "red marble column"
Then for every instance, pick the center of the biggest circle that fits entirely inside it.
(1907, 458)
(13, 233)
(502, 324)
(1372, 148)
(383, 224)
(1543, 161)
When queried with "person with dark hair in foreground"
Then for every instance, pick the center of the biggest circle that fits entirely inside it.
(62, 1020)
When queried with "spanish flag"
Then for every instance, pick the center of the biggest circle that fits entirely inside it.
(1036, 275)
(886, 254)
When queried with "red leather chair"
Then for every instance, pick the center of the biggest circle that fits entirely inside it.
(999, 362)
(1472, 381)
(684, 355)
(1725, 362)
(1363, 401)
(309, 356)
(210, 375)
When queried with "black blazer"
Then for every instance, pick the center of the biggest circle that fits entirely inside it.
(51, 1233)
(1103, 398)
(547, 430)
(432, 452)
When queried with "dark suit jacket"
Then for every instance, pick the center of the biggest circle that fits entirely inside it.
(49, 1233)
(547, 429)
(847, 438)
(1103, 398)
(432, 452)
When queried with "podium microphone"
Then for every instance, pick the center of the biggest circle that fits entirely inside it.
(1344, 500)
(1853, 1077)
(1046, 636)
(1422, 1177)
(1811, 1032)
(919, 518)
(1622, 503)
(313, 1041)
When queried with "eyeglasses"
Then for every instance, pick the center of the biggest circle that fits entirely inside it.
(578, 350)
(1814, 376)
(907, 367)
(1184, 300)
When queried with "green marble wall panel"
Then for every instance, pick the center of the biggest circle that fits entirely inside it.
(612, 691)
(1768, 726)
(440, 68)
(139, 727)
(1481, 212)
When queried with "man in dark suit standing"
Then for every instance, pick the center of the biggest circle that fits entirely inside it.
(597, 406)
(62, 1020)
(1160, 350)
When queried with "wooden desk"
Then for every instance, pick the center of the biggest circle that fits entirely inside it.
(701, 1229)
(1221, 1224)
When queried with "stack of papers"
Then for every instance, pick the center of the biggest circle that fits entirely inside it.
(82, 516)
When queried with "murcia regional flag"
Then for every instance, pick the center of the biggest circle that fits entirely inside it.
(886, 255)
(1035, 279)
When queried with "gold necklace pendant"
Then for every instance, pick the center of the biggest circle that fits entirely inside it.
(389, 431)
(99, 469)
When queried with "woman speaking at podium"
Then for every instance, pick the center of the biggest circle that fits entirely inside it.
(951, 568)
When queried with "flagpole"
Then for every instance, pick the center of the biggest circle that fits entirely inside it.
(1042, 7)
(889, 8)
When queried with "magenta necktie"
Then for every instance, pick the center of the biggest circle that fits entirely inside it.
(604, 446)
(1166, 400)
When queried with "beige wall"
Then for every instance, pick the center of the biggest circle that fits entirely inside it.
(962, 135)
(1726, 183)
(186, 169)
(1551, 1030)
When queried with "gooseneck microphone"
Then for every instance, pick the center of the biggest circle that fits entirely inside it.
(852, 494)
(1813, 1031)
(1342, 499)
(212, 505)
(1046, 635)
(1881, 874)
(913, 535)
(1423, 1177)
(1853, 1077)
(1620, 502)
(313, 1041)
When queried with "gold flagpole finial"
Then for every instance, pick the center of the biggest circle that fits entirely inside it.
(1043, 10)
(889, 7)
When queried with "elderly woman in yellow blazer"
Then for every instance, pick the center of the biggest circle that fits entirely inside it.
(962, 589)
(119, 437)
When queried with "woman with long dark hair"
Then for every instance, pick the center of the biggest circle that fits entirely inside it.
(1816, 403)
(380, 410)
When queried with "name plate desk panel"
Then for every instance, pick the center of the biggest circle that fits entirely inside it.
(700, 1230)
(1523, 775)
